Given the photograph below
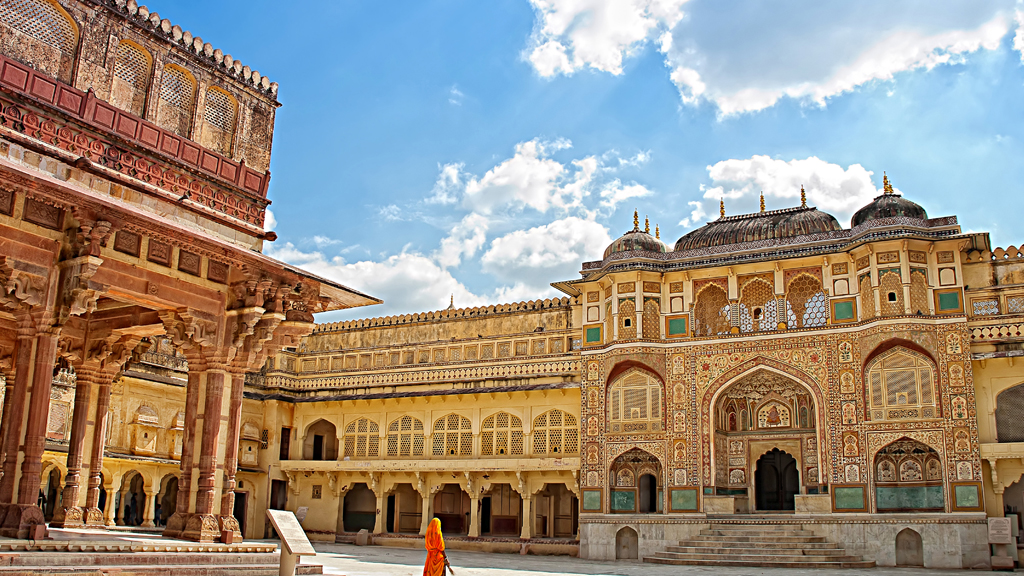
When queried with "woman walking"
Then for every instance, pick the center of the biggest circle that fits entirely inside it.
(436, 558)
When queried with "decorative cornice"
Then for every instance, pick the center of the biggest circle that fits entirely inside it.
(441, 315)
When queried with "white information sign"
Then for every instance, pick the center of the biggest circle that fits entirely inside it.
(293, 537)
(999, 531)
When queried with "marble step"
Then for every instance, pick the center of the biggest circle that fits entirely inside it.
(761, 562)
(756, 544)
(785, 539)
(762, 533)
(797, 557)
(80, 559)
(765, 551)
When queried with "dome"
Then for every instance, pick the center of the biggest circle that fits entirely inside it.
(636, 240)
(888, 205)
(767, 225)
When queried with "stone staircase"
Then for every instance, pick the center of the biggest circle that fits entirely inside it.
(759, 545)
(86, 557)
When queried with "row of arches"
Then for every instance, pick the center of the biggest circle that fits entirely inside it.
(554, 433)
(136, 499)
(804, 305)
(43, 26)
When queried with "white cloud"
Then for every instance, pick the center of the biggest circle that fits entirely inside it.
(463, 240)
(697, 216)
(750, 56)
(269, 222)
(448, 186)
(529, 179)
(324, 241)
(539, 255)
(830, 187)
(455, 96)
(573, 34)
(614, 193)
(407, 282)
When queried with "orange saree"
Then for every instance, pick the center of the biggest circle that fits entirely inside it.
(435, 550)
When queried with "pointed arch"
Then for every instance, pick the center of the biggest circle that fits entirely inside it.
(129, 85)
(405, 437)
(452, 435)
(220, 116)
(711, 311)
(555, 432)
(41, 34)
(362, 439)
(901, 383)
(177, 100)
(501, 434)
(635, 402)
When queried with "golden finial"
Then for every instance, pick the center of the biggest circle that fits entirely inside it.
(636, 221)
(886, 186)
(647, 225)
(762, 200)
(657, 232)
(803, 197)
(721, 208)
(451, 303)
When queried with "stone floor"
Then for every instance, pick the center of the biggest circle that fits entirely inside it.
(348, 560)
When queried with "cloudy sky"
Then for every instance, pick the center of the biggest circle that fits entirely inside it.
(486, 148)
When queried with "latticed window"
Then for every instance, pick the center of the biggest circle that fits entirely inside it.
(919, 291)
(556, 432)
(501, 434)
(711, 312)
(867, 298)
(758, 309)
(362, 439)
(652, 318)
(1010, 415)
(452, 436)
(806, 302)
(177, 97)
(219, 121)
(46, 26)
(405, 437)
(902, 386)
(634, 403)
(627, 319)
(131, 78)
(890, 291)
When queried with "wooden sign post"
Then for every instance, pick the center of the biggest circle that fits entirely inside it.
(294, 543)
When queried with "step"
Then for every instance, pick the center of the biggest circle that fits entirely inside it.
(787, 539)
(760, 563)
(761, 533)
(834, 551)
(79, 559)
(165, 570)
(797, 557)
(759, 544)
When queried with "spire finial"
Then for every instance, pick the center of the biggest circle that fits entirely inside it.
(762, 200)
(647, 225)
(886, 185)
(636, 221)
(803, 197)
(657, 232)
(721, 208)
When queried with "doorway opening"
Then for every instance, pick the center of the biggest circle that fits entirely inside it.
(776, 481)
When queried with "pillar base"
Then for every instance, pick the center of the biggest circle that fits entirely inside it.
(73, 517)
(201, 528)
(20, 521)
(93, 518)
(175, 525)
(230, 524)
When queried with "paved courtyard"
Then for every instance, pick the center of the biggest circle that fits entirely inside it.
(352, 560)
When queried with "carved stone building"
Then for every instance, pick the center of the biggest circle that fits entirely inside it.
(133, 184)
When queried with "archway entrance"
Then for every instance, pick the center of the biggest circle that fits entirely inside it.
(634, 483)
(776, 481)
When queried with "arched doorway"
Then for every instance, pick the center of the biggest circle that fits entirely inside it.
(627, 544)
(635, 484)
(765, 444)
(908, 478)
(776, 481)
(50, 493)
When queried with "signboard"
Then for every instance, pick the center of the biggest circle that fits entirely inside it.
(999, 531)
(293, 537)
(300, 514)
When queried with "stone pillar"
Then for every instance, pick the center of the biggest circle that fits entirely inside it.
(427, 510)
(204, 526)
(93, 515)
(527, 531)
(176, 523)
(14, 408)
(70, 514)
(474, 514)
(121, 505)
(21, 517)
(149, 510)
(108, 513)
(228, 522)
(378, 526)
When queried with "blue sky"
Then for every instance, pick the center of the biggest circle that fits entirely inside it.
(485, 149)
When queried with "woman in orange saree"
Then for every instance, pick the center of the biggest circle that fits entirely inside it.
(436, 558)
